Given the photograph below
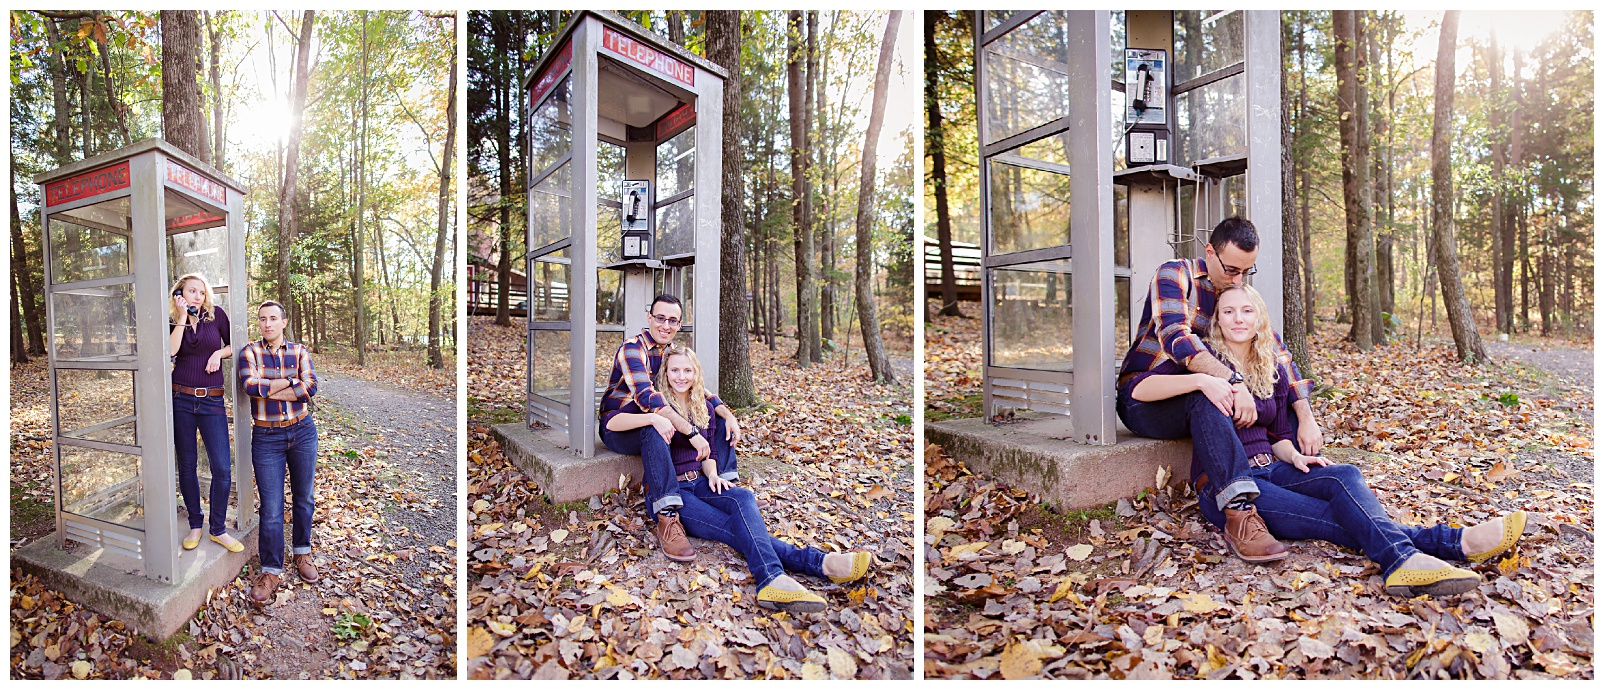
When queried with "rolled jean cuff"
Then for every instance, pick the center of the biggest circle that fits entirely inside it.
(1245, 487)
(667, 501)
(301, 550)
(275, 571)
(729, 476)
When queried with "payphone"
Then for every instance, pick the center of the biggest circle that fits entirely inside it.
(636, 237)
(1146, 123)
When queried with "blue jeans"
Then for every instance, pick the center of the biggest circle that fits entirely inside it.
(732, 517)
(206, 415)
(1216, 449)
(1333, 503)
(657, 464)
(273, 452)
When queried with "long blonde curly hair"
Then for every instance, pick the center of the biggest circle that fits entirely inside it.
(176, 315)
(697, 395)
(1260, 371)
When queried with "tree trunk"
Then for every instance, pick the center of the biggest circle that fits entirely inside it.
(1460, 318)
(824, 223)
(806, 290)
(1380, 157)
(292, 155)
(1513, 201)
(119, 112)
(879, 364)
(86, 129)
(58, 85)
(1355, 180)
(676, 35)
(1292, 318)
(1497, 143)
(25, 311)
(218, 141)
(359, 338)
(935, 141)
(181, 107)
(506, 87)
(1309, 303)
(443, 225)
(734, 358)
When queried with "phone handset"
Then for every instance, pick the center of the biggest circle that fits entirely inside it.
(1144, 87)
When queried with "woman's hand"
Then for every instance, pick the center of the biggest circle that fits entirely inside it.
(718, 484)
(213, 363)
(1217, 390)
(1247, 409)
(664, 427)
(1304, 462)
(704, 450)
(732, 430)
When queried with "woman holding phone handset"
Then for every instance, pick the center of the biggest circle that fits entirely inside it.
(198, 342)
(719, 511)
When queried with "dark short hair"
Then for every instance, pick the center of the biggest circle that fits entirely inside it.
(664, 297)
(1235, 230)
(282, 312)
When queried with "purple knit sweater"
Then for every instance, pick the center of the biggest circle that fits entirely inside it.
(189, 367)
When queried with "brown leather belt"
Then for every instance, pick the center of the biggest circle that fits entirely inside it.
(277, 425)
(199, 392)
(690, 476)
(1261, 460)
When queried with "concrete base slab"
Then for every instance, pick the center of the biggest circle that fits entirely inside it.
(544, 455)
(114, 586)
(1035, 453)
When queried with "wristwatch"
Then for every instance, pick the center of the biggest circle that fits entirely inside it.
(1236, 378)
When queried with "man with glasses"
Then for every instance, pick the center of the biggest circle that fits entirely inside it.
(1176, 318)
(630, 391)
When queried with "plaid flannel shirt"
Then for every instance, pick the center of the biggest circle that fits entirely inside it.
(629, 386)
(1179, 311)
(259, 364)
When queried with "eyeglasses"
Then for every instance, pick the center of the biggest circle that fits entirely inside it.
(1232, 271)
(665, 320)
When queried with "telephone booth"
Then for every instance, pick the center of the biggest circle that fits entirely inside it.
(625, 133)
(1111, 142)
(119, 228)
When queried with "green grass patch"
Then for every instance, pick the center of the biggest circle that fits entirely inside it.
(955, 408)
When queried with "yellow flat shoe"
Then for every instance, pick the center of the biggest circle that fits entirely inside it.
(800, 601)
(191, 543)
(1514, 525)
(1438, 583)
(232, 544)
(860, 567)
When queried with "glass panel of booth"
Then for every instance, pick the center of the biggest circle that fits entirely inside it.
(93, 324)
(90, 242)
(1206, 41)
(679, 281)
(1030, 196)
(102, 484)
(1031, 310)
(549, 277)
(550, 201)
(610, 297)
(609, 200)
(607, 344)
(994, 17)
(551, 128)
(1211, 120)
(549, 364)
(676, 164)
(1122, 317)
(96, 405)
(1026, 76)
(676, 228)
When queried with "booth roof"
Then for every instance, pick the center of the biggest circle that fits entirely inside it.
(635, 31)
(138, 147)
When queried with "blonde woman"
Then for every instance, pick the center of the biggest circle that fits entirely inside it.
(197, 343)
(717, 510)
(1309, 497)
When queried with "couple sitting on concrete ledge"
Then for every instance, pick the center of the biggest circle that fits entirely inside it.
(1205, 363)
(657, 407)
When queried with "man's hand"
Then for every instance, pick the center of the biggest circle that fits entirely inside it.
(1304, 462)
(1247, 409)
(704, 450)
(732, 430)
(664, 427)
(1218, 392)
(1310, 438)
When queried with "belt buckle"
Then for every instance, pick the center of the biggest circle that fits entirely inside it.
(199, 392)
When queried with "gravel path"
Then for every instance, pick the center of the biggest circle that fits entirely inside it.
(1575, 366)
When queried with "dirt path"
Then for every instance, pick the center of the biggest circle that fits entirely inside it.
(1574, 366)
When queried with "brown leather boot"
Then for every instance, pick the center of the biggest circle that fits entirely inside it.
(303, 566)
(1249, 539)
(671, 537)
(262, 592)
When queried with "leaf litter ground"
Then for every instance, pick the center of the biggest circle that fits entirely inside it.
(581, 591)
(383, 538)
(1143, 589)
